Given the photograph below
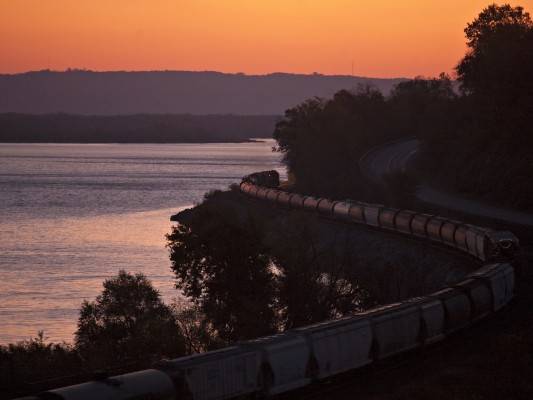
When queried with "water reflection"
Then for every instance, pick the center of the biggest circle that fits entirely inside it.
(73, 215)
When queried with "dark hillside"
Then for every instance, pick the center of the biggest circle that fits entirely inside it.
(167, 92)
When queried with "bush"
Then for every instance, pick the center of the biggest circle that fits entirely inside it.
(127, 324)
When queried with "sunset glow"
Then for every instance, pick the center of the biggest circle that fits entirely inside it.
(386, 38)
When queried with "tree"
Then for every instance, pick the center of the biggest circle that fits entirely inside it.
(31, 365)
(491, 21)
(498, 62)
(312, 272)
(127, 323)
(222, 266)
(321, 140)
(496, 76)
(421, 107)
(197, 331)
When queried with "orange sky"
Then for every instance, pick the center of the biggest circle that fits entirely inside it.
(383, 38)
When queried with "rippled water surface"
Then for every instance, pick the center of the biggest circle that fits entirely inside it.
(73, 215)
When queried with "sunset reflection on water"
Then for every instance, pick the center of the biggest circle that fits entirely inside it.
(73, 265)
(73, 215)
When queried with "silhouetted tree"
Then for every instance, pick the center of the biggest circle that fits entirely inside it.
(26, 366)
(198, 333)
(312, 273)
(221, 264)
(321, 140)
(497, 31)
(127, 323)
(498, 69)
(421, 107)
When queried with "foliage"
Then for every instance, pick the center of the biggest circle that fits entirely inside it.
(497, 32)
(34, 365)
(198, 333)
(250, 277)
(401, 189)
(476, 140)
(127, 323)
(488, 154)
(312, 273)
(423, 107)
(221, 264)
(321, 140)
(498, 69)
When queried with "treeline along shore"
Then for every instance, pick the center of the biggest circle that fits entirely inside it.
(138, 128)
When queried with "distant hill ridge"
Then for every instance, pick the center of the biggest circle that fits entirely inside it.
(168, 92)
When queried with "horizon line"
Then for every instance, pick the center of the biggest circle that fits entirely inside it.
(70, 70)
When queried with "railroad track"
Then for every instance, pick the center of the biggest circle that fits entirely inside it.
(386, 337)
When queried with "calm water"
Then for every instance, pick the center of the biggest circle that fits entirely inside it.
(73, 215)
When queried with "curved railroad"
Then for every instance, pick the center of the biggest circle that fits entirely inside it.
(296, 358)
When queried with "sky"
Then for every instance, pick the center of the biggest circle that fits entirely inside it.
(371, 38)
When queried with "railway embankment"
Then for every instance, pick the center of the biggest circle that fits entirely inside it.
(401, 352)
(395, 267)
(490, 360)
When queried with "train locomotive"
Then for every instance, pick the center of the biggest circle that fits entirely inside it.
(296, 358)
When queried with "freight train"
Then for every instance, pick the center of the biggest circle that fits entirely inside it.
(481, 243)
(276, 364)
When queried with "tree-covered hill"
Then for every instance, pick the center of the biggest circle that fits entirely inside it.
(167, 92)
(140, 128)
(478, 140)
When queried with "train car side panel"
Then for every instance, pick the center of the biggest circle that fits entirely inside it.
(283, 199)
(253, 191)
(150, 383)
(447, 232)
(339, 346)
(311, 203)
(261, 193)
(471, 240)
(432, 313)
(272, 196)
(396, 329)
(341, 209)
(287, 358)
(418, 225)
(460, 237)
(357, 212)
(296, 201)
(219, 374)
(372, 214)
(501, 281)
(403, 221)
(480, 297)
(433, 228)
(326, 206)
(387, 217)
(457, 308)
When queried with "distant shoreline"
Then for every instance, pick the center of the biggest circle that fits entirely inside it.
(138, 128)
(105, 143)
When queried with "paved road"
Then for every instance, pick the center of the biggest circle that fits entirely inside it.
(388, 158)
(395, 156)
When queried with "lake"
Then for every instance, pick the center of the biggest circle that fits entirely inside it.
(72, 215)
